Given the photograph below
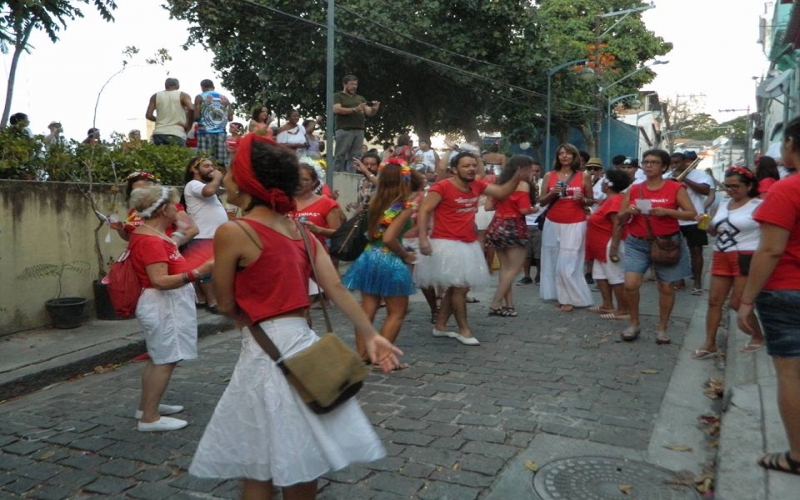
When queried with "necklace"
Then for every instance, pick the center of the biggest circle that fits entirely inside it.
(160, 234)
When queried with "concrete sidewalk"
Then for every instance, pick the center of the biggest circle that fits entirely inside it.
(35, 359)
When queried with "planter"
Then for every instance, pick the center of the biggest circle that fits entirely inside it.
(102, 302)
(66, 312)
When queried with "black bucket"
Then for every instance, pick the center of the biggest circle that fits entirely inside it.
(103, 307)
(66, 312)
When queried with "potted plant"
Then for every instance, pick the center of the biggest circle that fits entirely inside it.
(65, 312)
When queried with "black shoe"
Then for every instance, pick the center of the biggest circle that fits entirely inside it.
(213, 309)
(537, 280)
(589, 278)
(524, 281)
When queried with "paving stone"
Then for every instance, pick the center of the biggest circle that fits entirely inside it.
(349, 475)
(489, 466)
(153, 456)
(349, 492)
(448, 491)
(413, 469)
(445, 387)
(21, 485)
(442, 430)
(110, 420)
(12, 462)
(50, 493)
(489, 435)
(119, 467)
(528, 424)
(393, 449)
(109, 486)
(389, 464)
(63, 438)
(73, 478)
(151, 491)
(83, 461)
(50, 454)
(480, 420)
(6, 478)
(191, 483)
(448, 443)
(464, 478)
(414, 412)
(152, 475)
(445, 458)
(39, 470)
(415, 391)
(520, 439)
(396, 483)
(495, 450)
(563, 430)
(628, 438)
(404, 424)
(625, 422)
(405, 437)
(91, 443)
(7, 439)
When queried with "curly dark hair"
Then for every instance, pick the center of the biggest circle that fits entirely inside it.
(619, 180)
(275, 167)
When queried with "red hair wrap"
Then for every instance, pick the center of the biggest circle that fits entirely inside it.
(245, 176)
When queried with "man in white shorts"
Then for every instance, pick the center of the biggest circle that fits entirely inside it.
(452, 257)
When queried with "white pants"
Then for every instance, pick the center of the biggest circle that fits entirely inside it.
(562, 264)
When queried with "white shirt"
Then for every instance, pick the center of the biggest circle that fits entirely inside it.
(698, 200)
(736, 229)
(426, 160)
(295, 136)
(206, 211)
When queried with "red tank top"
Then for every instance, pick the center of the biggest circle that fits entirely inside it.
(664, 197)
(566, 210)
(276, 282)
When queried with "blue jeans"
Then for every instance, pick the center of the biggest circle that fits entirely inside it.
(779, 314)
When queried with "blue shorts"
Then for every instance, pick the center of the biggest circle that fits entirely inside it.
(780, 319)
(637, 260)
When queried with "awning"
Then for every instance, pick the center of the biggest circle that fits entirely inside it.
(775, 86)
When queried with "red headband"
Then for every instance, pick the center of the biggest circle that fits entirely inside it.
(245, 176)
(741, 171)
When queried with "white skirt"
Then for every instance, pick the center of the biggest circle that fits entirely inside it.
(483, 218)
(452, 263)
(169, 319)
(262, 430)
(562, 277)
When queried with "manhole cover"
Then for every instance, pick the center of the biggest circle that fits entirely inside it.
(601, 478)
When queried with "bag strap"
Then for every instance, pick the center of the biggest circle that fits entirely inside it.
(304, 235)
(646, 217)
(257, 243)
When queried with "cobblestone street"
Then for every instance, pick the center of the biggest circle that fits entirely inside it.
(451, 422)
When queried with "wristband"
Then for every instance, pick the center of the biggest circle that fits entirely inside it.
(185, 278)
(191, 276)
(746, 302)
(179, 234)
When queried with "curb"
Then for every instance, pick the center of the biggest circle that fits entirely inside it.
(49, 372)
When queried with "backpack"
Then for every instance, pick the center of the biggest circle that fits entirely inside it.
(123, 286)
(349, 241)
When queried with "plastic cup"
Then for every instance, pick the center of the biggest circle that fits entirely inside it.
(231, 211)
(114, 222)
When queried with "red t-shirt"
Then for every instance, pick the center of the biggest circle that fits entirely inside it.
(599, 226)
(665, 197)
(454, 217)
(146, 249)
(512, 206)
(781, 208)
(276, 282)
(765, 184)
(316, 213)
(133, 221)
(566, 210)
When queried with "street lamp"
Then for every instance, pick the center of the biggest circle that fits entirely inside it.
(608, 121)
(550, 73)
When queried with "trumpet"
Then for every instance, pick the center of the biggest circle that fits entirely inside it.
(688, 169)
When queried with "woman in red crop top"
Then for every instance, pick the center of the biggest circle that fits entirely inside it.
(565, 191)
(261, 429)
(661, 203)
(508, 234)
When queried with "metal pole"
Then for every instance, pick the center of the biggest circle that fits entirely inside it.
(547, 133)
(329, 105)
(608, 135)
(598, 114)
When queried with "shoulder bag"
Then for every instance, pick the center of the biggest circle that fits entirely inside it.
(350, 240)
(663, 249)
(327, 373)
(543, 216)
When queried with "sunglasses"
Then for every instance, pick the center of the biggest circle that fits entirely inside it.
(594, 168)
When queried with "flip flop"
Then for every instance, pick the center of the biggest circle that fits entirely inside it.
(772, 462)
(752, 347)
(612, 315)
(662, 339)
(566, 308)
(598, 309)
(631, 333)
(697, 291)
(703, 354)
(472, 300)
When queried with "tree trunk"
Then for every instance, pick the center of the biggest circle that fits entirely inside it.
(421, 119)
(19, 46)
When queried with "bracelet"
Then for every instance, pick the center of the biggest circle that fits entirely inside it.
(185, 278)
(179, 234)
(746, 302)
(191, 276)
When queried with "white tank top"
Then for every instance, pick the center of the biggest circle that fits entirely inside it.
(736, 229)
(170, 115)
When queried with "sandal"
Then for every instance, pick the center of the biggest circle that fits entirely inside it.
(598, 309)
(751, 347)
(500, 311)
(510, 312)
(566, 308)
(697, 291)
(613, 315)
(662, 339)
(772, 462)
(703, 354)
(472, 300)
(631, 333)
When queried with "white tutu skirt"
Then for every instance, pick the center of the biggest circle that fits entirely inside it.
(262, 430)
(169, 319)
(452, 263)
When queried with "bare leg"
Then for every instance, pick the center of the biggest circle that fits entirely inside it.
(445, 311)
(633, 281)
(622, 300)
(369, 303)
(256, 490)
(155, 379)
(396, 308)
(526, 267)
(458, 302)
(430, 297)
(788, 371)
(605, 293)
(720, 286)
(666, 300)
(736, 298)
(696, 254)
(511, 260)
(208, 293)
(302, 491)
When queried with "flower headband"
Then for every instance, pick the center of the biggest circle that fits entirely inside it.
(405, 170)
(142, 175)
(741, 171)
(148, 212)
(197, 162)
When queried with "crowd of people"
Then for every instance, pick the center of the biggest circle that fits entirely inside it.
(435, 223)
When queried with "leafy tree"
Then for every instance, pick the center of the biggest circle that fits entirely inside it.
(21, 17)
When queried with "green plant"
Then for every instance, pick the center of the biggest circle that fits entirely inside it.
(47, 270)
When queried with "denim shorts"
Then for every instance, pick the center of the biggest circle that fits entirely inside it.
(637, 260)
(780, 319)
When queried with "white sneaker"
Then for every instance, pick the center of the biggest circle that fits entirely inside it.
(162, 410)
(439, 333)
(466, 340)
(162, 424)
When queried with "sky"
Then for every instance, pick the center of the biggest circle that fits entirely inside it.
(715, 55)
